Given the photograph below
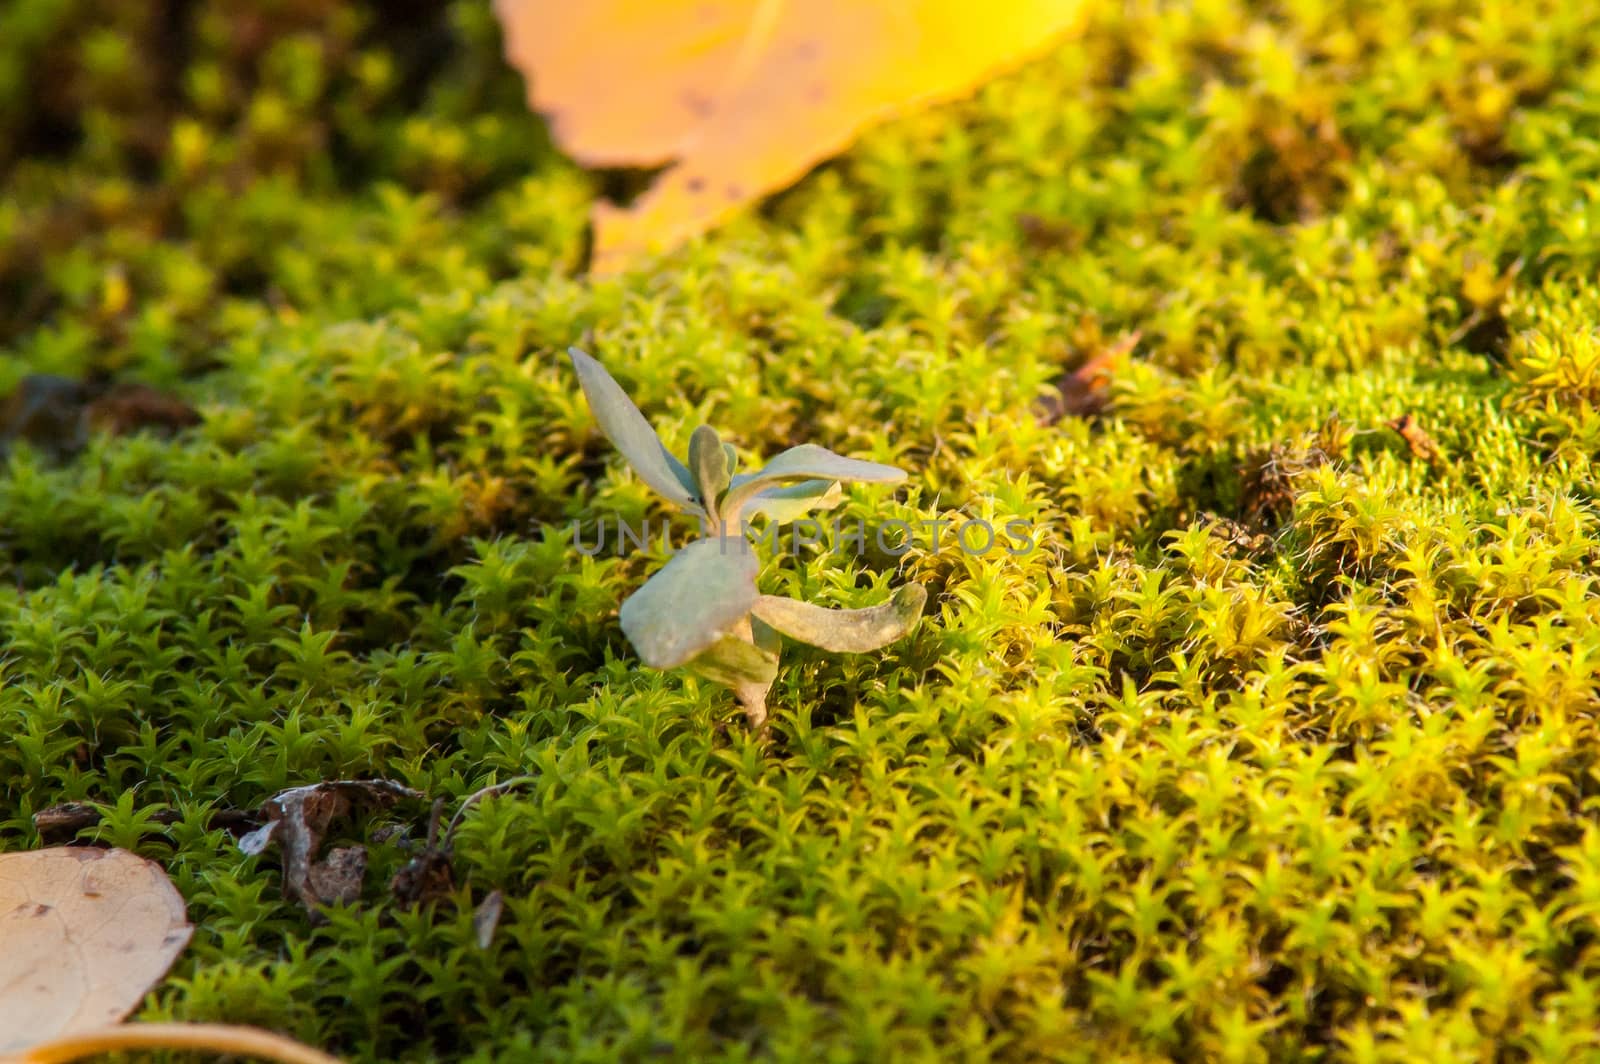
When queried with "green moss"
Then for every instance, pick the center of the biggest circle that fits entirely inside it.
(1308, 774)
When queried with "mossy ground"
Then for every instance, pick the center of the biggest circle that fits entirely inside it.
(1283, 745)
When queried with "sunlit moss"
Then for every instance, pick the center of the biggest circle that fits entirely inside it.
(1282, 743)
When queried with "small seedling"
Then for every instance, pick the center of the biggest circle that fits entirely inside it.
(702, 610)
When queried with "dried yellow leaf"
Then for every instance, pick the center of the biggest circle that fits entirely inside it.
(744, 96)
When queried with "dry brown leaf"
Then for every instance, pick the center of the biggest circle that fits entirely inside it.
(86, 933)
(1085, 391)
(1418, 442)
(743, 96)
(128, 408)
(297, 820)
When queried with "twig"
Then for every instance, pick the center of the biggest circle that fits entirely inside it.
(217, 1037)
(471, 800)
(73, 817)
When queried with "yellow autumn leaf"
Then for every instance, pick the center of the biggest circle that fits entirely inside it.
(742, 97)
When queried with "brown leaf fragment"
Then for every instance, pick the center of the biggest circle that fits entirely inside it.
(429, 877)
(1048, 234)
(738, 98)
(486, 917)
(57, 414)
(1267, 476)
(1267, 480)
(1085, 391)
(84, 934)
(68, 818)
(299, 818)
(1418, 442)
(336, 879)
(130, 407)
(423, 880)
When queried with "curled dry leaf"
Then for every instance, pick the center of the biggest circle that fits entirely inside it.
(86, 933)
(741, 97)
(428, 877)
(298, 819)
(1418, 442)
(1085, 391)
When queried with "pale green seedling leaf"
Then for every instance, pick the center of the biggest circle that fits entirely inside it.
(699, 596)
(708, 463)
(793, 501)
(847, 631)
(630, 433)
(805, 462)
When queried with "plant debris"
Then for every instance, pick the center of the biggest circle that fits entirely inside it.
(60, 823)
(298, 819)
(429, 877)
(1085, 391)
(58, 414)
(1418, 442)
(129, 408)
(1267, 483)
(1048, 234)
(1267, 476)
(486, 917)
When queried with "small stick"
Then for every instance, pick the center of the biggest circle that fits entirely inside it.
(217, 1037)
(474, 798)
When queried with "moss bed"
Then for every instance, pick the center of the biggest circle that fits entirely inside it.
(1282, 745)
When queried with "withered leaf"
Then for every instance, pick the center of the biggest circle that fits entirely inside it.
(336, 879)
(1418, 442)
(427, 877)
(1085, 391)
(86, 933)
(298, 819)
(130, 407)
(1047, 234)
(741, 97)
